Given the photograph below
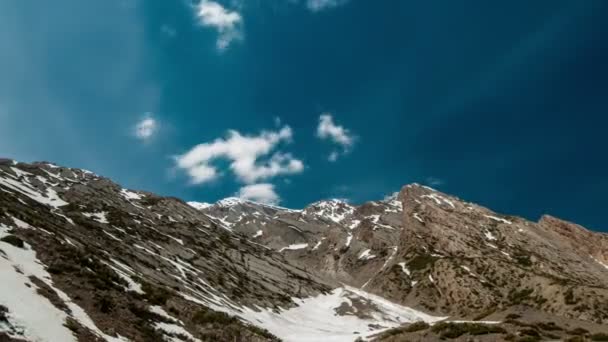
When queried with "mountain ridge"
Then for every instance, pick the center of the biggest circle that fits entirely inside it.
(229, 270)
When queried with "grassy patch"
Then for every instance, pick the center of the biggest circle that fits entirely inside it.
(154, 294)
(578, 331)
(548, 326)
(455, 330)
(263, 333)
(517, 297)
(206, 316)
(513, 316)
(417, 326)
(420, 262)
(599, 337)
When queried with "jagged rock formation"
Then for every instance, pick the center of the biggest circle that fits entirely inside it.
(101, 262)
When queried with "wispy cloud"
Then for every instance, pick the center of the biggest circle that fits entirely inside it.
(227, 23)
(434, 181)
(146, 128)
(251, 157)
(339, 135)
(263, 192)
(320, 5)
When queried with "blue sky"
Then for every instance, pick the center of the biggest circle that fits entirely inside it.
(500, 103)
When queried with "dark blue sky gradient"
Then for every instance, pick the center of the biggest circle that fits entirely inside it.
(505, 102)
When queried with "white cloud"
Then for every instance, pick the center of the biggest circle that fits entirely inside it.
(329, 130)
(146, 128)
(263, 193)
(227, 23)
(320, 5)
(434, 181)
(333, 156)
(168, 30)
(251, 157)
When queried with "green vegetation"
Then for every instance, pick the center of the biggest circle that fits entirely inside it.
(146, 315)
(262, 332)
(206, 316)
(512, 316)
(85, 264)
(3, 312)
(420, 262)
(599, 337)
(484, 314)
(417, 326)
(455, 330)
(548, 326)
(530, 332)
(569, 297)
(71, 324)
(13, 240)
(517, 297)
(528, 339)
(104, 303)
(523, 260)
(155, 295)
(578, 331)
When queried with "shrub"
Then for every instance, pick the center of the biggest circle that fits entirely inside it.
(523, 260)
(104, 303)
(548, 326)
(155, 295)
(147, 315)
(3, 313)
(262, 332)
(206, 316)
(512, 316)
(528, 339)
(420, 262)
(517, 297)
(455, 330)
(529, 332)
(71, 324)
(578, 331)
(60, 267)
(484, 314)
(13, 240)
(417, 326)
(599, 337)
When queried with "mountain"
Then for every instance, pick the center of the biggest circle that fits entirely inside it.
(84, 259)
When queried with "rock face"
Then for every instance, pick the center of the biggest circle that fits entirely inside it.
(93, 261)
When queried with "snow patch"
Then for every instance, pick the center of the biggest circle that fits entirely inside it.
(315, 318)
(366, 255)
(439, 199)
(35, 317)
(294, 247)
(349, 238)
(498, 219)
(130, 195)
(490, 236)
(199, 205)
(174, 329)
(404, 268)
(99, 217)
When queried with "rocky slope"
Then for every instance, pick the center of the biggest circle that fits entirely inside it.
(435, 252)
(94, 261)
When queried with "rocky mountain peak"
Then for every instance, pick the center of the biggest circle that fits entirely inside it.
(117, 264)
